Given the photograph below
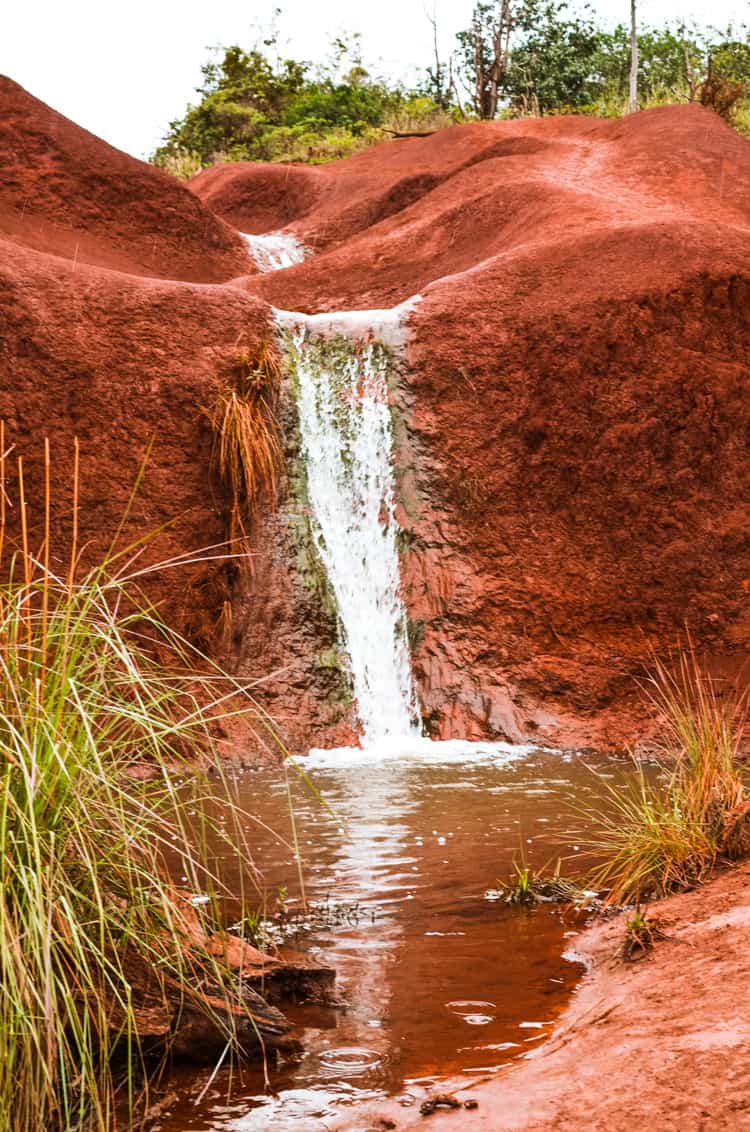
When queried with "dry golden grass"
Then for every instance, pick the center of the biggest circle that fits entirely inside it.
(665, 835)
(247, 448)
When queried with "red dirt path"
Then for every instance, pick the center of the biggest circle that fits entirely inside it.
(572, 424)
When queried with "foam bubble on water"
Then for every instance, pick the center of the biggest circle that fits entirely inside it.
(418, 748)
(350, 1061)
(473, 1013)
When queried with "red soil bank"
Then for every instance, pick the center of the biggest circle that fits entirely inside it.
(661, 1043)
(124, 363)
(64, 191)
(572, 425)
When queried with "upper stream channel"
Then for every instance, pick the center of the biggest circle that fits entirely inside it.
(439, 979)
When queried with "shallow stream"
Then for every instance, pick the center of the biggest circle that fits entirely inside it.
(439, 981)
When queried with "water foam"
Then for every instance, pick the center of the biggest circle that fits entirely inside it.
(387, 325)
(439, 752)
(341, 366)
(275, 250)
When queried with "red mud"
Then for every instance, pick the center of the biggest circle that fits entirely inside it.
(573, 421)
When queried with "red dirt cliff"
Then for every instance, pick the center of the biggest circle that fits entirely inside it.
(66, 192)
(572, 419)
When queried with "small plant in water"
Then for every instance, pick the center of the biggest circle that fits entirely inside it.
(522, 892)
(529, 886)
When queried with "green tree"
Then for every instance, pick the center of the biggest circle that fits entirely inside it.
(241, 96)
(554, 58)
(257, 106)
(670, 60)
(484, 52)
(730, 57)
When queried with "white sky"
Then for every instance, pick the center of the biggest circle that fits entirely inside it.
(125, 69)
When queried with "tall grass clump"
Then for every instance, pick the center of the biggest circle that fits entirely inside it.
(180, 163)
(665, 832)
(247, 449)
(90, 924)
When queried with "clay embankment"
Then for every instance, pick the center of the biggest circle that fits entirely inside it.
(572, 424)
(574, 461)
(661, 1043)
(94, 345)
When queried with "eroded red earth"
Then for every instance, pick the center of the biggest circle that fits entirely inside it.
(573, 421)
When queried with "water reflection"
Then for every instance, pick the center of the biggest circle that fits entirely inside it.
(437, 980)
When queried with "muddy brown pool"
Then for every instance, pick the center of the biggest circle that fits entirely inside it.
(438, 980)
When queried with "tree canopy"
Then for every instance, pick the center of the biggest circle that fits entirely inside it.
(257, 106)
(517, 57)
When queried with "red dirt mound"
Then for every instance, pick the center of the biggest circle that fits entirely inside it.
(124, 363)
(572, 423)
(530, 182)
(64, 191)
(119, 362)
(258, 198)
(574, 469)
(586, 463)
(96, 351)
(328, 204)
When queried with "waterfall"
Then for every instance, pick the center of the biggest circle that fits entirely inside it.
(275, 250)
(341, 364)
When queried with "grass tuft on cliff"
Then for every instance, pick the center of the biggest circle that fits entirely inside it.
(247, 449)
(88, 914)
(662, 836)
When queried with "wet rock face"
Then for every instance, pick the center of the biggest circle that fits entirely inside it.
(571, 422)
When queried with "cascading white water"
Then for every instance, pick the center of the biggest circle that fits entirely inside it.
(345, 427)
(275, 250)
(341, 363)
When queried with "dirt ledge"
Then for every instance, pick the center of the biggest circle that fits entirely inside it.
(663, 1043)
